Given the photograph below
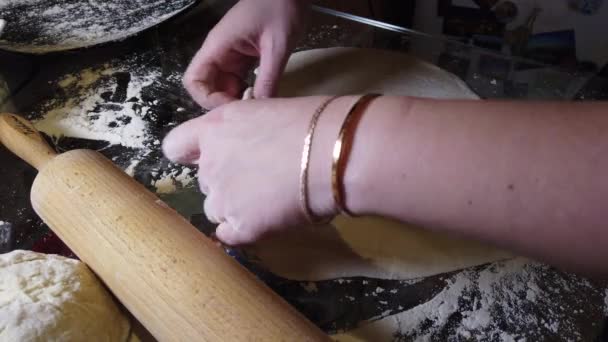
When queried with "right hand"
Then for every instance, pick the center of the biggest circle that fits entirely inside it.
(249, 155)
(253, 29)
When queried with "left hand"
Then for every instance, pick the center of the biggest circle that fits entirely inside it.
(249, 153)
(253, 29)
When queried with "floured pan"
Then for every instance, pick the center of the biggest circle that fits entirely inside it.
(42, 26)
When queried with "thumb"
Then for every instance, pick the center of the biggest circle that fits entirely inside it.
(272, 63)
(181, 145)
(228, 235)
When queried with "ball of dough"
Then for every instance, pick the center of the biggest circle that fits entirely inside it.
(52, 298)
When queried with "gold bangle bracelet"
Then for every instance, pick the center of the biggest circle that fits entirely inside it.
(341, 151)
(306, 161)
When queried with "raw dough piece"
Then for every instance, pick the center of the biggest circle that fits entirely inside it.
(343, 71)
(371, 247)
(368, 246)
(52, 298)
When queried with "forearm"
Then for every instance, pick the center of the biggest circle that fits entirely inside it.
(526, 176)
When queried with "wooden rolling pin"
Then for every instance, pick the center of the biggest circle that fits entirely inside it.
(174, 280)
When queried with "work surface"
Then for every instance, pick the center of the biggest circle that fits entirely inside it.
(135, 85)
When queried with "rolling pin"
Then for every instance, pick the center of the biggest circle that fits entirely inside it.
(178, 283)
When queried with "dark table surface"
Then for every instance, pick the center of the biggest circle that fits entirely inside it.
(167, 49)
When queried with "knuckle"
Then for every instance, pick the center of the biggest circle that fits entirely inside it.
(266, 83)
(247, 230)
(276, 41)
(187, 83)
(210, 206)
(188, 80)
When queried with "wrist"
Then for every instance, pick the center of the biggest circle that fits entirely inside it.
(371, 160)
(374, 155)
(321, 199)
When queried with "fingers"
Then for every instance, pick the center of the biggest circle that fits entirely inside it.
(211, 87)
(274, 54)
(227, 231)
(182, 144)
(230, 235)
(204, 187)
(227, 234)
(211, 210)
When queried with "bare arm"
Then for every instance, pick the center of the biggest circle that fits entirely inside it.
(531, 177)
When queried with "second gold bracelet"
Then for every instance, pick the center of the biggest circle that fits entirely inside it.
(306, 160)
(341, 150)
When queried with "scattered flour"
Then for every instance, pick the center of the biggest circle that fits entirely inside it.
(165, 185)
(185, 178)
(2, 25)
(512, 300)
(99, 108)
(170, 181)
(18, 2)
(116, 103)
(6, 233)
(310, 287)
(37, 26)
(130, 170)
(606, 303)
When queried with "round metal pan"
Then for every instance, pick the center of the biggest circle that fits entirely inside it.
(44, 26)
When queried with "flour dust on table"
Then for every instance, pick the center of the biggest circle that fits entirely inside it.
(606, 303)
(99, 108)
(6, 236)
(40, 26)
(172, 180)
(125, 105)
(514, 300)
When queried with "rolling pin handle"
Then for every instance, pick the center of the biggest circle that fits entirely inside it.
(22, 138)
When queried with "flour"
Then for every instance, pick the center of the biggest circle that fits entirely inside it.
(100, 107)
(5, 234)
(310, 287)
(38, 26)
(606, 303)
(172, 180)
(18, 2)
(130, 169)
(185, 178)
(2, 25)
(165, 185)
(117, 105)
(506, 301)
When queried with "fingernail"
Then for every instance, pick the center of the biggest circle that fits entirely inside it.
(175, 153)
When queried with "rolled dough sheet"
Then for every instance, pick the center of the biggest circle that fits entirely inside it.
(371, 247)
(344, 71)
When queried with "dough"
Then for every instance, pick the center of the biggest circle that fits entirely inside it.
(344, 71)
(52, 298)
(371, 247)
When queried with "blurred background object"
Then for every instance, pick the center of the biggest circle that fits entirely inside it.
(557, 32)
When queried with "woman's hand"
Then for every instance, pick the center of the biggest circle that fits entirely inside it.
(253, 29)
(249, 154)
